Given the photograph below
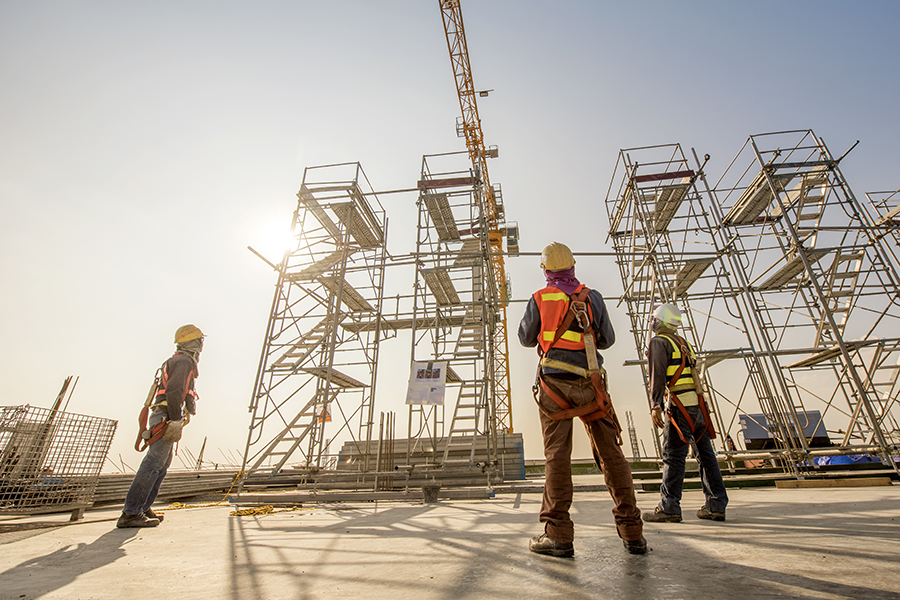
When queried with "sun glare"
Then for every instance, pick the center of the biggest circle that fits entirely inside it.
(271, 238)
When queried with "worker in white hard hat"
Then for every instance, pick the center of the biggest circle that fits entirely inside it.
(569, 324)
(685, 421)
(173, 404)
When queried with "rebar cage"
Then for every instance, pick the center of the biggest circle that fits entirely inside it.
(50, 460)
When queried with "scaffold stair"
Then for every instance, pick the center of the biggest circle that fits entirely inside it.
(464, 426)
(470, 342)
(318, 268)
(840, 291)
(758, 380)
(302, 349)
(883, 372)
(308, 199)
(285, 444)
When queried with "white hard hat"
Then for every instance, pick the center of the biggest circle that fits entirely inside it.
(665, 314)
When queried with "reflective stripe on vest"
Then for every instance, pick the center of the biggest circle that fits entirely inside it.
(553, 304)
(686, 380)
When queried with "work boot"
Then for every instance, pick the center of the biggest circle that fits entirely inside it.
(140, 520)
(636, 546)
(658, 516)
(705, 513)
(152, 515)
(544, 544)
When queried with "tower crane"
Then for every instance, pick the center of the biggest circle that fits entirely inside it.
(491, 206)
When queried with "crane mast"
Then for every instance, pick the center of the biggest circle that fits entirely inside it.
(492, 209)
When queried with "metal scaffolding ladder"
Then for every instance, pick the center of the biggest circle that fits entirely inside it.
(464, 429)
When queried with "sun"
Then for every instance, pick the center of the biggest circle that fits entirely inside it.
(271, 237)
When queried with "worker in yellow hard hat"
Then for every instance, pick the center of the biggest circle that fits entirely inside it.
(685, 421)
(569, 324)
(174, 401)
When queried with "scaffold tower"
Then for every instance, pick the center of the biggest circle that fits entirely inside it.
(317, 369)
(453, 315)
(668, 249)
(785, 280)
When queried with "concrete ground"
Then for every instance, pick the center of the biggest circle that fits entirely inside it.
(804, 543)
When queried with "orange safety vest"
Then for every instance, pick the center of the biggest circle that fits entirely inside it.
(553, 304)
(557, 320)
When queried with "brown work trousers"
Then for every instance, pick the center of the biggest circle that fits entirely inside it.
(603, 434)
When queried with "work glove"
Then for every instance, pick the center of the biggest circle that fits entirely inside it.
(656, 415)
(173, 431)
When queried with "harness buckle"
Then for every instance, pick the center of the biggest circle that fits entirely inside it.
(579, 309)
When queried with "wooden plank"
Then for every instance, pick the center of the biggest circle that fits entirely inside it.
(831, 483)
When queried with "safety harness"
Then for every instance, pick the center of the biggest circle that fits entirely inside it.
(146, 437)
(688, 363)
(580, 312)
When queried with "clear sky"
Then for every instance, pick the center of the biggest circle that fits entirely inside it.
(144, 146)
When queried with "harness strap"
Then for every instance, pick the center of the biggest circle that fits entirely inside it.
(673, 398)
(142, 427)
(566, 322)
(564, 366)
(596, 409)
(684, 413)
(705, 410)
(147, 437)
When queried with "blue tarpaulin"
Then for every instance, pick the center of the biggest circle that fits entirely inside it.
(845, 459)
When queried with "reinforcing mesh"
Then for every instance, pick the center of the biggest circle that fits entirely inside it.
(50, 460)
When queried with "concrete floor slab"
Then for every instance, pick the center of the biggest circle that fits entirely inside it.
(808, 543)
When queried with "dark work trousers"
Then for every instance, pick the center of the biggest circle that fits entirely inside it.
(674, 456)
(558, 467)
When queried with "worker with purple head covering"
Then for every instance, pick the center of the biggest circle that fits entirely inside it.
(569, 324)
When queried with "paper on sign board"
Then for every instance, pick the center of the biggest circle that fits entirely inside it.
(427, 381)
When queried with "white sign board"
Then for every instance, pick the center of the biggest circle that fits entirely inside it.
(427, 381)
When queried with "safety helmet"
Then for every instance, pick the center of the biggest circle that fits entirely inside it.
(557, 257)
(186, 333)
(665, 314)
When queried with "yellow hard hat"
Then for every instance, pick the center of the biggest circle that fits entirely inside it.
(186, 333)
(557, 257)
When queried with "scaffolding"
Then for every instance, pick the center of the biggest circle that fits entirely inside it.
(784, 279)
(454, 313)
(318, 365)
(885, 213)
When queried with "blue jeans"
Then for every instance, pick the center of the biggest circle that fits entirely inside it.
(151, 473)
(674, 456)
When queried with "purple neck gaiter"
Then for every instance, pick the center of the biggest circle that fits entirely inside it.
(563, 280)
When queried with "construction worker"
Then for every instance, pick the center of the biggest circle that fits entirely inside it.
(569, 323)
(175, 401)
(685, 421)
